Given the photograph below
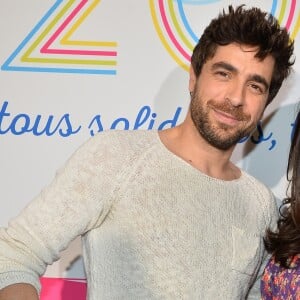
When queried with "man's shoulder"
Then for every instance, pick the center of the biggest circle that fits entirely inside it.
(131, 137)
(120, 142)
(256, 184)
(260, 193)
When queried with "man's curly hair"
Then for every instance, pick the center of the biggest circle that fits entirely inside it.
(251, 27)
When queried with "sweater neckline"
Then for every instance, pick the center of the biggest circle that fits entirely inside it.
(185, 164)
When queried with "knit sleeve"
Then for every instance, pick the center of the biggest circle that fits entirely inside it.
(272, 212)
(270, 217)
(76, 201)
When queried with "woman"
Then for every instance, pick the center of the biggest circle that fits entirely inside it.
(281, 278)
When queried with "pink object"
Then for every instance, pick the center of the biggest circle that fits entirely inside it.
(63, 288)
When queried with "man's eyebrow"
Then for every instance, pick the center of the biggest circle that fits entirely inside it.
(224, 65)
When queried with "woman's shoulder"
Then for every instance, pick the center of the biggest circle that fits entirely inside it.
(279, 282)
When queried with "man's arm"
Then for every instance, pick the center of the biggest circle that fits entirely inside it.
(255, 293)
(19, 291)
(271, 223)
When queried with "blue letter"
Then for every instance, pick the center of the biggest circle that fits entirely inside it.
(115, 123)
(139, 120)
(96, 119)
(173, 121)
(3, 114)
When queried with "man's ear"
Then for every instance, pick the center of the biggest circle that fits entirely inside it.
(192, 80)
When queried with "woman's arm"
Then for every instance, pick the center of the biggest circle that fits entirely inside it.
(19, 291)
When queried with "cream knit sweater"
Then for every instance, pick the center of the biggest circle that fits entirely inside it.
(153, 226)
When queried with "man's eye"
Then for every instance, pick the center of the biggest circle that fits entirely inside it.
(222, 74)
(256, 88)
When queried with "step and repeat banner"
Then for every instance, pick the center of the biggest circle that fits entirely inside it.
(72, 68)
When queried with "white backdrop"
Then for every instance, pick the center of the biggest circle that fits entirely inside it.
(70, 68)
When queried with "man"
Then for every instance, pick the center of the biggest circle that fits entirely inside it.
(166, 215)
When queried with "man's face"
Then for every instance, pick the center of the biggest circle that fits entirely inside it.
(230, 94)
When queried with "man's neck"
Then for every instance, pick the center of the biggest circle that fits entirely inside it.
(186, 142)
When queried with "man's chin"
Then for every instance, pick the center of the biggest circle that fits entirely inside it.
(226, 142)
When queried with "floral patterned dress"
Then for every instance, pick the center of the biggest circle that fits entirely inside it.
(279, 283)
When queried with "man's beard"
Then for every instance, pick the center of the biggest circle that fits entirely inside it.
(220, 136)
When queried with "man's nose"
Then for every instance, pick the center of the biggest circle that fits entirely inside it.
(236, 94)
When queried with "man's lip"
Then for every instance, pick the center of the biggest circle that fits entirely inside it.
(226, 117)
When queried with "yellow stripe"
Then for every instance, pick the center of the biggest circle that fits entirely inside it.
(66, 39)
(70, 61)
(178, 27)
(47, 30)
(282, 10)
(296, 29)
(163, 40)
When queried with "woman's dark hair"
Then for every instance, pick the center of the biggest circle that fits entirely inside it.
(248, 27)
(285, 242)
